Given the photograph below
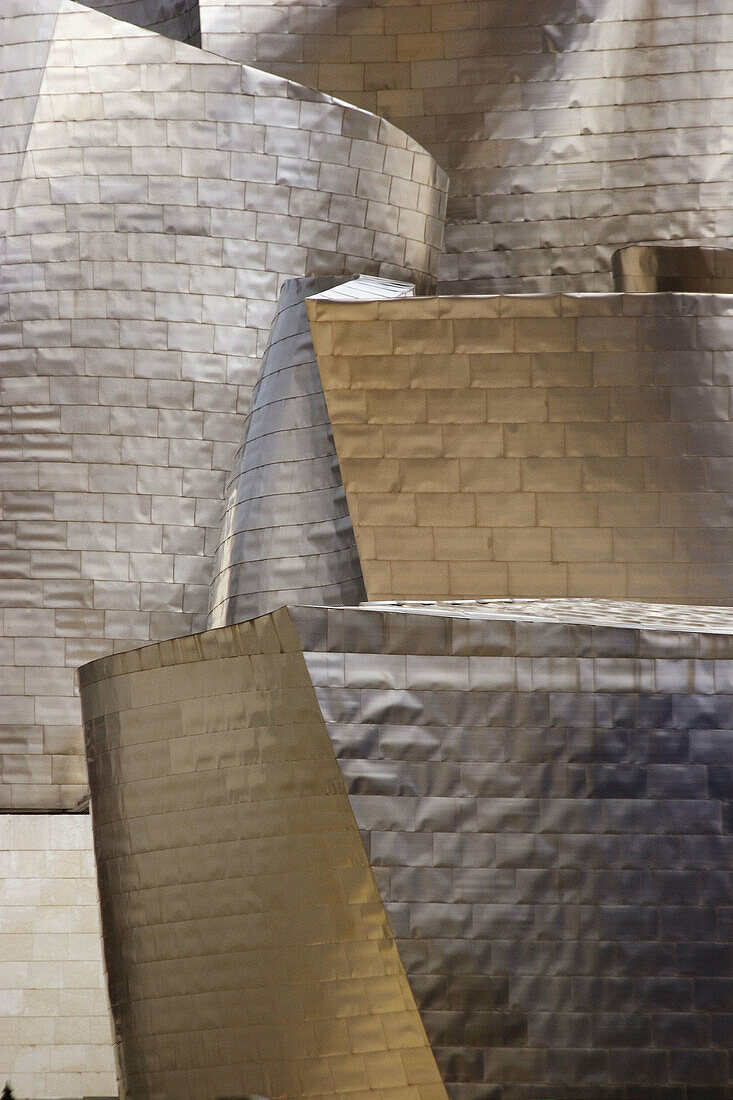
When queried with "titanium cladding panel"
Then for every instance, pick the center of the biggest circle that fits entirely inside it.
(247, 948)
(546, 807)
(162, 196)
(286, 532)
(535, 446)
(567, 128)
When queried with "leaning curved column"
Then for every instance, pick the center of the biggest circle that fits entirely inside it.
(246, 945)
(557, 446)
(286, 533)
(162, 197)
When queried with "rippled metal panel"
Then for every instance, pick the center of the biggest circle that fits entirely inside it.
(535, 446)
(546, 807)
(286, 533)
(647, 269)
(162, 196)
(568, 128)
(246, 945)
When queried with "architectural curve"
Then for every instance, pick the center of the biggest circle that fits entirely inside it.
(177, 19)
(263, 963)
(529, 446)
(567, 129)
(162, 196)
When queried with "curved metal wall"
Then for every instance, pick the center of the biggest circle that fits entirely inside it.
(247, 948)
(286, 533)
(547, 811)
(164, 196)
(567, 128)
(536, 446)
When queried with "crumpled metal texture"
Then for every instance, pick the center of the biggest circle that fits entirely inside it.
(286, 534)
(546, 807)
(518, 445)
(159, 198)
(568, 128)
(650, 269)
(246, 945)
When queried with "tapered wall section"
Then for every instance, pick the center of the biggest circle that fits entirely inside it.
(174, 18)
(546, 806)
(164, 195)
(286, 533)
(247, 948)
(567, 129)
(535, 446)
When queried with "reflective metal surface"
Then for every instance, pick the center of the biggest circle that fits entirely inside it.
(286, 533)
(646, 269)
(159, 197)
(575, 445)
(546, 807)
(173, 18)
(246, 945)
(568, 127)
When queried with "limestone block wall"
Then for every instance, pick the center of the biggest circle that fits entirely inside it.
(55, 1035)
(567, 128)
(246, 945)
(165, 194)
(535, 446)
(546, 807)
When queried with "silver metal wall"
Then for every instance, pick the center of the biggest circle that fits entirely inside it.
(546, 807)
(174, 18)
(246, 945)
(163, 196)
(286, 533)
(568, 128)
(651, 269)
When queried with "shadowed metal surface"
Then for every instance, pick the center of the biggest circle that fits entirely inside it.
(646, 269)
(173, 18)
(286, 533)
(160, 196)
(568, 127)
(246, 945)
(546, 807)
(563, 445)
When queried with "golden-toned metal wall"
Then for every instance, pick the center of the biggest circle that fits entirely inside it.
(566, 445)
(246, 945)
(648, 268)
(568, 127)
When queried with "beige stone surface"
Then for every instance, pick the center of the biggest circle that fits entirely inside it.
(574, 445)
(55, 1035)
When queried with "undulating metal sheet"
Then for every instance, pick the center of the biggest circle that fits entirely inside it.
(544, 792)
(651, 268)
(246, 945)
(286, 534)
(163, 196)
(563, 445)
(568, 127)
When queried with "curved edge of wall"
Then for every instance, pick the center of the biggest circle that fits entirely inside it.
(246, 945)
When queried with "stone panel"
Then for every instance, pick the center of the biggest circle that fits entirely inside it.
(55, 1034)
(246, 946)
(574, 445)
